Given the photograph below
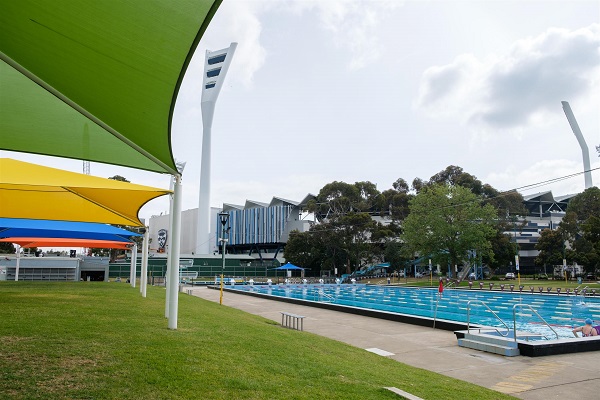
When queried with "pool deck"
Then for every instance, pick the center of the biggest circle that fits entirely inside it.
(559, 376)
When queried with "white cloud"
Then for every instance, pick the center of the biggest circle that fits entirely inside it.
(353, 25)
(520, 88)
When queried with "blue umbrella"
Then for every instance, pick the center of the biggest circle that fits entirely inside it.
(288, 266)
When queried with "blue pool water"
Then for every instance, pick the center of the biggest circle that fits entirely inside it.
(561, 312)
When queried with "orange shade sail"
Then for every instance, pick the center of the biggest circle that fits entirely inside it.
(61, 242)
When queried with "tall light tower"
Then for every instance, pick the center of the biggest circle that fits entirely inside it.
(216, 65)
(584, 149)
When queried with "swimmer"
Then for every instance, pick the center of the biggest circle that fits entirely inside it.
(587, 330)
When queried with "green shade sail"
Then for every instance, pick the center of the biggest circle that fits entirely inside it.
(96, 79)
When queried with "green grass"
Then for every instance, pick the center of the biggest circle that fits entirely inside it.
(87, 340)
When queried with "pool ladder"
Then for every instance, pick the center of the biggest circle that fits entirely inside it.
(518, 305)
(483, 303)
(321, 293)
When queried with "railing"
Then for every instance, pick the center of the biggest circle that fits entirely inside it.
(321, 293)
(535, 312)
(490, 310)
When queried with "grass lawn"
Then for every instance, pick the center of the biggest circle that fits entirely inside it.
(95, 340)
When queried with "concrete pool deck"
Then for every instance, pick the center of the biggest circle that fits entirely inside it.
(560, 376)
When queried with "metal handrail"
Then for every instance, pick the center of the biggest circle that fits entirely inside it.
(321, 292)
(535, 312)
(493, 313)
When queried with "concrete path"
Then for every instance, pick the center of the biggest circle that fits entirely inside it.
(541, 378)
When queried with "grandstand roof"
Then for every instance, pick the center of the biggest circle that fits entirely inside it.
(275, 201)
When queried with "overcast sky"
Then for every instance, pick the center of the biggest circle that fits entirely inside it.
(379, 90)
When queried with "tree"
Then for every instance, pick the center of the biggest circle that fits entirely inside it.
(581, 228)
(7, 248)
(300, 250)
(119, 178)
(503, 249)
(551, 246)
(394, 255)
(446, 222)
(455, 176)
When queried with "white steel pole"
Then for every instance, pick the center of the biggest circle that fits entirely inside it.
(216, 65)
(144, 276)
(18, 247)
(174, 267)
(169, 247)
(203, 230)
(133, 264)
(585, 153)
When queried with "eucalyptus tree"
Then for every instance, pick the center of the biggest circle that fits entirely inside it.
(448, 221)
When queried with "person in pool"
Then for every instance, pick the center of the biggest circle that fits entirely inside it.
(587, 330)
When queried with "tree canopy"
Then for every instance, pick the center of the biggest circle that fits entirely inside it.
(447, 221)
(357, 224)
(581, 228)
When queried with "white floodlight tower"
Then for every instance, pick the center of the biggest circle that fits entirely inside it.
(216, 65)
(584, 149)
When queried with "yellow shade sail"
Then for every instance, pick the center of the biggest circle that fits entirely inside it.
(35, 192)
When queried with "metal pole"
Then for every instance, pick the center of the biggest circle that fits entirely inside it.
(223, 217)
(144, 281)
(132, 272)
(18, 247)
(174, 273)
(169, 247)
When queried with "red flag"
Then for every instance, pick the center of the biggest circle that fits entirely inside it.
(441, 288)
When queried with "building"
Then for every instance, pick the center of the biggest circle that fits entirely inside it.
(258, 230)
(544, 211)
(51, 268)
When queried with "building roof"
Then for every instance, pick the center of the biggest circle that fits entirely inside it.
(277, 200)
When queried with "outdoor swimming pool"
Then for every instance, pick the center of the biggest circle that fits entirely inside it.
(562, 312)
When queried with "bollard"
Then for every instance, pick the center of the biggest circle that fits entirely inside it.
(576, 291)
(593, 292)
(548, 289)
(557, 290)
(521, 288)
(512, 288)
(541, 289)
(502, 287)
(491, 285)
(531, 289)
(470, 285)
(568, 291)
(480, 285)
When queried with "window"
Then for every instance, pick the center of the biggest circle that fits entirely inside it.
(216, 59)
(213, 72)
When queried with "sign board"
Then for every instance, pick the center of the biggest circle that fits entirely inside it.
(517, 263)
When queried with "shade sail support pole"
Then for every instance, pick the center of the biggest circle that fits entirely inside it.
(169, 247)
(174, 267)
(132, 272)
(144, 274)
(18, 262)
(84, 112)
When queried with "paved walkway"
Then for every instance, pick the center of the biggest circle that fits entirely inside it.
(564, 376)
